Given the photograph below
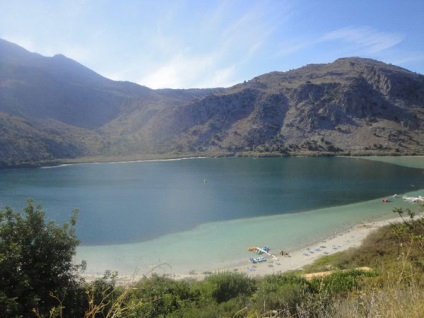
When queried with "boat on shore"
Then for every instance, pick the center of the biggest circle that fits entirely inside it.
(257, 259)
(413, 199)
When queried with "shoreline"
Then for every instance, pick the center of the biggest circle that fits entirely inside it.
(119, 162)
(383, 157)
(338, 242)
(295, 260)
(300, 257)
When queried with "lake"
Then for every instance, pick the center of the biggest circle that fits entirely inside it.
(140, 201)
(202, 214)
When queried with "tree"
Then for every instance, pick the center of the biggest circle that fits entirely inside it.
(36, 269)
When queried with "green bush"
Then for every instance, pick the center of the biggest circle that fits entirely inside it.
(229, 308)
(159, 296)
(36, 268)
(281, 292)
(102, 295)
(209, 311)
(340, 282)
(225, 286)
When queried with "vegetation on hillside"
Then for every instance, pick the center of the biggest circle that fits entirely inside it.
(38, 279)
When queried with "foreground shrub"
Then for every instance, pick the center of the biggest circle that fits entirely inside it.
(159, 296)
(235, 307)
(224, 286)
(37, 274)
(281, 292)
(340, 282)
(104, 298)
(388, 302)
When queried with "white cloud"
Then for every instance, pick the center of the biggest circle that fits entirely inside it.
(220, 78)
(365, 38)
(172, 46)
(210, 48)
(291, 47)
(189, 71)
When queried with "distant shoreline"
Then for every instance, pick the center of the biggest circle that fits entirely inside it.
(416, 162)
(165, 157)
(119, 162)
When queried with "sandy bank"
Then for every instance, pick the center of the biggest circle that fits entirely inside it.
(304, 256)
(295, 260)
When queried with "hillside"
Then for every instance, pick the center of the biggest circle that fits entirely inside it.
(53, 108)
(352, 104)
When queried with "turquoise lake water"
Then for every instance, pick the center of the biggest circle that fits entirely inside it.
(204, 211)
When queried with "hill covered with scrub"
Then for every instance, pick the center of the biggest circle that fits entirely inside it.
(53, 108)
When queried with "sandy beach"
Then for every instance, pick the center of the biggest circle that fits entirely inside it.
(295, 260)
(304, 256)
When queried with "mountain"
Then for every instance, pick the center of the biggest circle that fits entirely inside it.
(351, 106)
(52, 107)
(55, 108)
(34, 86)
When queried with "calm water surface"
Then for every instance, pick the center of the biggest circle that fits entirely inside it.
(133, 202)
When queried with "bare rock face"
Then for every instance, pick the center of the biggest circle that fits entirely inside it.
(353, 105)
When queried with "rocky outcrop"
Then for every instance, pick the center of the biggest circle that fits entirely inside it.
(353, 105)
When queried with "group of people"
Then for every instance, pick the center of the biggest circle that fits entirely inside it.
(284, 253)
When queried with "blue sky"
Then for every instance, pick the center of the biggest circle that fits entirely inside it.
(208, 43)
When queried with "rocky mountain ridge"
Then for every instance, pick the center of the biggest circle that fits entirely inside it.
(55, 108)
(351, 105)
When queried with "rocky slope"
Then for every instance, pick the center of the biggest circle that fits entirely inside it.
(54, 108)
(353, 105)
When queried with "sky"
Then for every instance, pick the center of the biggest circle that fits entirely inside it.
(212, 43)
